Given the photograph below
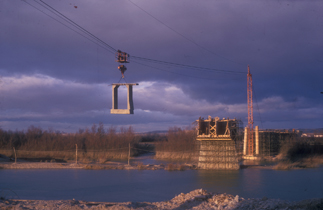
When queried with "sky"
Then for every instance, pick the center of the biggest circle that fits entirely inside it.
(190, 59)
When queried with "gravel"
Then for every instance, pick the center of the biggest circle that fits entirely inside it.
(196, 199)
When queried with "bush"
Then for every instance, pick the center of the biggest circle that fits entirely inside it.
(301, 148)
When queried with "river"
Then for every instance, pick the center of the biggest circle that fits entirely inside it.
(158, 185)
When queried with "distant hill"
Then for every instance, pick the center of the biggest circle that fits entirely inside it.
(154, 132)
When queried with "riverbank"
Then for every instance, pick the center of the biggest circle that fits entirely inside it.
(308, 162)
(197, 199)
(96, 166)
(276, 164)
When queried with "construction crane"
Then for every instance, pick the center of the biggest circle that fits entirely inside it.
(250, 115)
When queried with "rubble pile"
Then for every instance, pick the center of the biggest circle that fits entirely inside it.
(197, 199)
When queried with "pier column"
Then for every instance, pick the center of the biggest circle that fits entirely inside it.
(115, 96)
(245, 141)
(257, 139)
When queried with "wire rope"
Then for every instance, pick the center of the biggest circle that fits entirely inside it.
(186, 66)
(257, 107)
(91, 37)
(181, 35)
(53, 10)
(172, 71)
(68, 27)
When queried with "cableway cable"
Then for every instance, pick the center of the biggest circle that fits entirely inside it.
(186, 66)
(257, 107)
(172, 71)
(68, 27)
(53, 10)
(183, 36)
(91, 37)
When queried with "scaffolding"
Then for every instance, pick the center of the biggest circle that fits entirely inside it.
(219, 143)
(269, 142)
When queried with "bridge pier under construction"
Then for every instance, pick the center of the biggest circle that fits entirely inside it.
(267, 142)
(219, 140)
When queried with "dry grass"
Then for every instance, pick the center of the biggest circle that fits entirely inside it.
(309, 162)
(175, 167)
(141, 166)
(183, 156)
(101, 157)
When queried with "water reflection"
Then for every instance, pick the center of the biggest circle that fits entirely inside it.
(218, 181)
(159, 185)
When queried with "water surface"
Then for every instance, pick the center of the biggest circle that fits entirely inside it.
(159, 185)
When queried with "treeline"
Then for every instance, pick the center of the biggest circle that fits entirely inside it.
(96, 138)
(178, 140)
(181, 145)
(96, 143)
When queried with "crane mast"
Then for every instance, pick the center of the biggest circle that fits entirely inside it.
(250, 115)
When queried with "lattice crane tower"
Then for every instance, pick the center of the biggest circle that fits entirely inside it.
(250, 115)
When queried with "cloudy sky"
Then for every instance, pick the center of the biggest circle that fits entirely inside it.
(189, 57)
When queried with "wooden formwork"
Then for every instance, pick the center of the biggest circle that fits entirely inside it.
(218, 155)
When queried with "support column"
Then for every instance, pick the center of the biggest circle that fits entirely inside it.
(257, 139)
(245, 141)
(130, 99)
(115, 96)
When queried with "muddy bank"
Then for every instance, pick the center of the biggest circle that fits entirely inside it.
(197, 199)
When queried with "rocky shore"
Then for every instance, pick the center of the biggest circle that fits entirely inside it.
(197, 199)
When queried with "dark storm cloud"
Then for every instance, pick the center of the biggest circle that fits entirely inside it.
(59, 78)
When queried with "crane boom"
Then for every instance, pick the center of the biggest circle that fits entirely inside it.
(250, 115)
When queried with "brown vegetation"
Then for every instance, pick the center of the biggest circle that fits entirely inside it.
(301, 153)
(95, 144)
(175, 167)
(181, 144)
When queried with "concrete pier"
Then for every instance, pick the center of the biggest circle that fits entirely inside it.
(218, 155)
(218, 143)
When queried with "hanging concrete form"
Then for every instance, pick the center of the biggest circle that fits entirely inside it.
(219, 142)
(130, 107)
